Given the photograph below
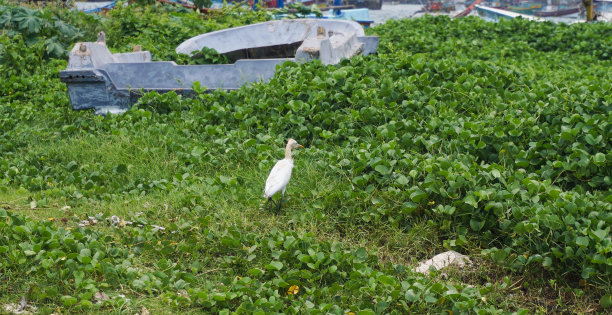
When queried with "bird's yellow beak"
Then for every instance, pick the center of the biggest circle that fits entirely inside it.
(300, 146)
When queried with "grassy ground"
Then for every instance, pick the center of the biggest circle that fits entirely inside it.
(405, 245)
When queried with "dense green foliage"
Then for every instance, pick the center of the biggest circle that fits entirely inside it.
(514, 142)
(495, 135)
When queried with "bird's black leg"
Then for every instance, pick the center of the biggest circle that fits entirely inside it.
(270, 200)
(280, 202)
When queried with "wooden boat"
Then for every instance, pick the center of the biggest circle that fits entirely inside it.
(604, 10)
(370, 4)
(495, 14)
(524, 8)
(303, 2)
(469, 8)
(266, 3)
(561, 12)
(94, 6)
(437, 5)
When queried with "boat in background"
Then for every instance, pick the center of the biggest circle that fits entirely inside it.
(94, 6)
(495, 14)
(525, 8)
(604, 10)
(469, 8)
(439, 5)
(370, 4)
(558, 12)
(361, 16)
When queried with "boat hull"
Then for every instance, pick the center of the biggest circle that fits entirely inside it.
(557, 13)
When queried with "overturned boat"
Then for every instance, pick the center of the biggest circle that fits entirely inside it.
(111, 83)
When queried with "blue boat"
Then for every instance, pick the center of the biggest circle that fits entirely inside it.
(494, 14)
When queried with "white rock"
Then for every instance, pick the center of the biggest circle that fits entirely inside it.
(115, 220)
(20, 308)
(443, 260)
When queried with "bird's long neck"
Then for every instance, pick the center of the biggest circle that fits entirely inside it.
(288, 152)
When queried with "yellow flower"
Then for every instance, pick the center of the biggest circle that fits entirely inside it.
(431, 203)
(51, 219)
(173, 243)
(350, 313)
(239, 277)
(293, 290)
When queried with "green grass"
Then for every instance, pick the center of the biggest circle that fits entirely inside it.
(243, 209)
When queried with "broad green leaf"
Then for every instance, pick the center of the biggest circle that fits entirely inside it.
(120, 169)
(220, 297)
(469, 199)
(599, 158)
(382, 169)
(68, 300)
(71, 166)
(496, 173)
(402, 180)
(255, 272)
(388, 280)
(592, 140)
(476, 225)
(582, 241)
(601, 234)
(6, 18)
(418, 195)
(606, 301)
(275, 265)
(28, 20)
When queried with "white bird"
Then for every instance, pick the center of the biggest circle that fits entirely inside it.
(281, 174)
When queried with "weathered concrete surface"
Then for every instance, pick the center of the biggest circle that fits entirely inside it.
(442, 261)
(329, 46)
(113, 82)
(334, 39)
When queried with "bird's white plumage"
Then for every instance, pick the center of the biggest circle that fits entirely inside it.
(279, 177)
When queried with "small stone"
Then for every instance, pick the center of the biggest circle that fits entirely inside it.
(22, 304)
(101, 296)
(115, 220)
(20, 308)
(161, 228)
